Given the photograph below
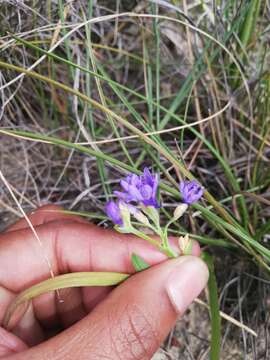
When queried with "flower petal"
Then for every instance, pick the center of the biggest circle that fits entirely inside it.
(146, 192)
(113, 212)
(124, 184)
(135, 193)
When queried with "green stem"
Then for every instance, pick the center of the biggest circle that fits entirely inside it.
(166, 250)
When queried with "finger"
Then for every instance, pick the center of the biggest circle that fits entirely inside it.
(69, 247)
(10, 344)
(43, 215)
(28, 328)
(134, 319)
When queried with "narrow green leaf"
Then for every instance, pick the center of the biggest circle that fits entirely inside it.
(214, 309)
(138, 263)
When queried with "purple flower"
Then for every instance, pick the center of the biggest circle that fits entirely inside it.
(191, 191)
(140, 189)
(113, 212)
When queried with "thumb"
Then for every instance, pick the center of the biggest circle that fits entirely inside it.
(135, 318)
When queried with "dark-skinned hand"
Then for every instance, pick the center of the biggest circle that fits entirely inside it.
(128, 322)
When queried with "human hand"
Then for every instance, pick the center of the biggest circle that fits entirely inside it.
(128, 322)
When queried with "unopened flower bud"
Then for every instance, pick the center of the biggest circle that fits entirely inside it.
(179, 211)
(141, 218)
(125, 214)
(185, 244)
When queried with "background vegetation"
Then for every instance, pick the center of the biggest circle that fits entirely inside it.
(90, 90)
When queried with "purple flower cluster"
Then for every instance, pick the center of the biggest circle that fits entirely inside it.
(142, 190)
(138, 190)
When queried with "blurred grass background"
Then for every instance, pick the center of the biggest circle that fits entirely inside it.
(82, 83)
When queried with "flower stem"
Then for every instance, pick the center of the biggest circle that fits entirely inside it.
(166, 244)
(165, 249)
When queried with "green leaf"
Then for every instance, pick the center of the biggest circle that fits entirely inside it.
(214, 309)
(138, 263)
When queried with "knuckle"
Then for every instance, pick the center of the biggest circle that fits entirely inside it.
(133, 336)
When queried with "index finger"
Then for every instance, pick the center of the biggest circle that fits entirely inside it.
(69, 247)
(43, 215)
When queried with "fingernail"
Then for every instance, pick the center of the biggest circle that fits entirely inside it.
(186, 281)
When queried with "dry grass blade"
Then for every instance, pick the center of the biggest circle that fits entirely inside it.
(160, 132)
(229, 318)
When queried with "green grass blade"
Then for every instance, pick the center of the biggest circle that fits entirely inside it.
(138, 263)
(214, 309)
